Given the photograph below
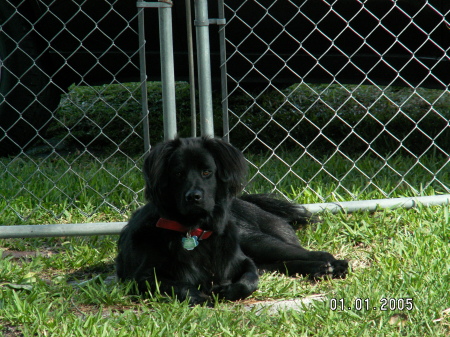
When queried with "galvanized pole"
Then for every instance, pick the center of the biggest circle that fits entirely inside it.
(167, 71)
(223, 74)
(204, 67)
(108, 228)
(80, 229)
(143, 71)
(375, 204)
(167, 68)
(191, 63)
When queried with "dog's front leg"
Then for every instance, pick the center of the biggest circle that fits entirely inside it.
(179, 290)
(244, 286)
(189, 292)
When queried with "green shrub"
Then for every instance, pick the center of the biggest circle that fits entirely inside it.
(323, 117)
(320, 118)
(108, 117)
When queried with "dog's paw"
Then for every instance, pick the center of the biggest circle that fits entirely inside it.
(234, 291)
(196, 297)
(226, 291)
(201, 300)
(335, 269)
(340, 268)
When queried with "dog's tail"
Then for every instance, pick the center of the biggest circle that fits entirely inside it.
(293, 213)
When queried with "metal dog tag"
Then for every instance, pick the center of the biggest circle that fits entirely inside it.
(190, 242)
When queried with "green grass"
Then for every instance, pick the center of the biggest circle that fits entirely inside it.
(80, 188)
(338, 178)
(66, 289)
(75, 188)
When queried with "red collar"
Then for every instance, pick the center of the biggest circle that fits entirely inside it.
(176, 226)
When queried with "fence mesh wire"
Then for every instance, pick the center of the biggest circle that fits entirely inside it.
(372, 119)
(64, 74)
(339, 93)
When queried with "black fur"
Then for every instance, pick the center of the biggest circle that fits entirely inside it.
(194, 181)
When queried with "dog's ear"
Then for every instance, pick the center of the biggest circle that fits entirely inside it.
(155, 167)
(231, 164)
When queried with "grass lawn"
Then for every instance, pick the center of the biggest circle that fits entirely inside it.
(398, 286)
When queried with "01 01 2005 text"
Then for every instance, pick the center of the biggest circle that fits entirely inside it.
(384, 304)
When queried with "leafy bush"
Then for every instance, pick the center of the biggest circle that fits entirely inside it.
(323, 117)
(317, 117)
(110, 116)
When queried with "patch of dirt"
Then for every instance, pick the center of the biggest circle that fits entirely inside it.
(24, 255)
(11, 331)
(275, 306)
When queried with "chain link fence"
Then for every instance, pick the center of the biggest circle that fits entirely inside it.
(65, 97)
(381, 114)
(342, 93)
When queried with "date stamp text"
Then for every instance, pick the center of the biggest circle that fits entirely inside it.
(384, 304)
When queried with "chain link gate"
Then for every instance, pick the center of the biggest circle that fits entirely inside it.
(374, 56)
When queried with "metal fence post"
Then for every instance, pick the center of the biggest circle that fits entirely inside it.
(190, 42)
(143, 77)
(223, 73)
(204, 67)
(167, 71)
(167, 64)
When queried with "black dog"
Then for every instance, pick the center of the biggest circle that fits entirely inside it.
(194, 237)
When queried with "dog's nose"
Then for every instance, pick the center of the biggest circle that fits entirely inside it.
(194, 196)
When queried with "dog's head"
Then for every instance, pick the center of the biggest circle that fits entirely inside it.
(190, 178)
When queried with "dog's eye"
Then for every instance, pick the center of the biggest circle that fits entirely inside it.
(178, 174)
(206, 173)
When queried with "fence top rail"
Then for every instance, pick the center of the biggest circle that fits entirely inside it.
(113, 228)
(154, 4)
